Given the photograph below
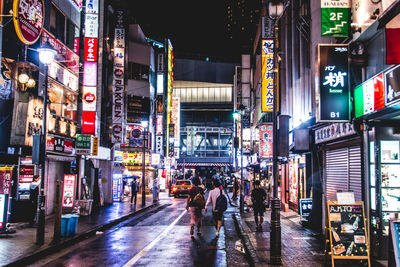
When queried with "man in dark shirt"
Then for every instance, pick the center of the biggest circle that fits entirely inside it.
(195, 209)
(134, 190)
(258, 196)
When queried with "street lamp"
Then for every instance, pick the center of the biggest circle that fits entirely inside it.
(46, 56)
(275, 11)
(235, 146)
(144, 124)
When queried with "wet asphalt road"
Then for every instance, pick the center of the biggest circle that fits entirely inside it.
(158, 237)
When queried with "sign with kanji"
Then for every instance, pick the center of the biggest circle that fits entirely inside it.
(91, 49)
(335, 15)
(95, 146)
(267, 79)
(28, 16)
(5, 180)
(82, 145)
(68, 190)
(334, 93)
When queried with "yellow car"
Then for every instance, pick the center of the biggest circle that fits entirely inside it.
(181, 187)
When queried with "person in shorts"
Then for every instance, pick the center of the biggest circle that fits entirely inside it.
(258, 196)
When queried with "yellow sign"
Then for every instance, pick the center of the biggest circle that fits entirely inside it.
(267, 79)
(95, 146)
(170, 78)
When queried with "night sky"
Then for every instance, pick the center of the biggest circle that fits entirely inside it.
(195, 27)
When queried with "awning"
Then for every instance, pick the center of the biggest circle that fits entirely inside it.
(203, 164)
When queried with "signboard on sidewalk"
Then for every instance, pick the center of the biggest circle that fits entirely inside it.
(347, 231)
(68, 191)
(305, 207)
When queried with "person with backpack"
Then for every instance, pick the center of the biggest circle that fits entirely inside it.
(219, 204)
(258, 196)
(195, 202)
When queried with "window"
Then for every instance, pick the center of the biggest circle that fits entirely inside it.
(138, 72)
(61, 27)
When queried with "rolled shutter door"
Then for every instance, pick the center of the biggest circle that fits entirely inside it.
(355, 175)
(336, 172)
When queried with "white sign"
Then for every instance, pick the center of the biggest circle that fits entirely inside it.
(92, 6)
(155, 159)
(333, 131)
(91, 26)
(118, 87)
(89, 98)
(159, 144)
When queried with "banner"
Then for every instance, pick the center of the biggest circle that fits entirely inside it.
(266, 139)
(118, 85)
(267, 78)
(5, 180)
(335, 16)
(68, 191)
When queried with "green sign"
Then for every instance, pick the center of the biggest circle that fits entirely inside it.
(83, 142)
(335, 17)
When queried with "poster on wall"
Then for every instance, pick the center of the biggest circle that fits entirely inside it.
(335, 15)
(334, 93)
(68, 191)
(266, 136)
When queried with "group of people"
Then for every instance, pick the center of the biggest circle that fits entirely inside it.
(135, 188)
(196, 203)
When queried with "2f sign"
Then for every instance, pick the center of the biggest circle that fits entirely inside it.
(336, 16)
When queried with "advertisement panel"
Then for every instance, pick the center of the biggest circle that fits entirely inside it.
(117, 187)
(68, 191)
(82, 145)
(335, 15)
(392, 81)
(170, 80)
(89, 98)
(5, 180)
(90, 49)
(133, 136)
(88, 122)
(159, 125)
(266, 140)
(334, 93)
(91, 25)
(34, 120)
(118, 80)
(28, 16)
(159, 145)
(267, 78)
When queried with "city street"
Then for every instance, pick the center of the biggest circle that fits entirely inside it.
(158, 237)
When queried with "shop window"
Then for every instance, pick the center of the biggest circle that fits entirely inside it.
(56, 97)
(63, 102)
(57, 23)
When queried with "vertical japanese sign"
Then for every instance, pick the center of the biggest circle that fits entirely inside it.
(170, 77)
(5, 191)
(266, 140)
(89, 94)
(118, 80)
(334, 95)
(175, 119)
(335, 15)
(267, 79)
(68, 191)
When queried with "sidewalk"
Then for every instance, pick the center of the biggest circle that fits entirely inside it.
(300, 246)
(20, 247)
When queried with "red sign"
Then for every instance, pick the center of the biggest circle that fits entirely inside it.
(28, 16)
(88, 122)
(91, 49)
(68, 146)
(266, 135)
(5, 180)
(379, 102)
(68, 191)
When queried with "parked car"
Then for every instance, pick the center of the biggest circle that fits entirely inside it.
(181, 187)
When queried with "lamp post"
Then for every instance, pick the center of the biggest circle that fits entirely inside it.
(46, 56)
(144, 124)
(275, 11)
(241, 110)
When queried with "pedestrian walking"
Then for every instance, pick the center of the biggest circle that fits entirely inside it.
(258, 196)
(134, 190)
(195, 202)
(155, 188)
(219, 204)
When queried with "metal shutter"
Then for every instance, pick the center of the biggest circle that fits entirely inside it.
(336, 172)
(343, 172)
(355, 183)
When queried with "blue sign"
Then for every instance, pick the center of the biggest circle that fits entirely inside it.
(305, 206)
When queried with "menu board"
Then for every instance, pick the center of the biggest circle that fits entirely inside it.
(305, 207)
(394, 248)
(348, 235)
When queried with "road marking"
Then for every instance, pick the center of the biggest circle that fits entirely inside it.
(132, 261)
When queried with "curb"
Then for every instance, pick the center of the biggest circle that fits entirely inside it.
(29, 258)
(248, 247)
